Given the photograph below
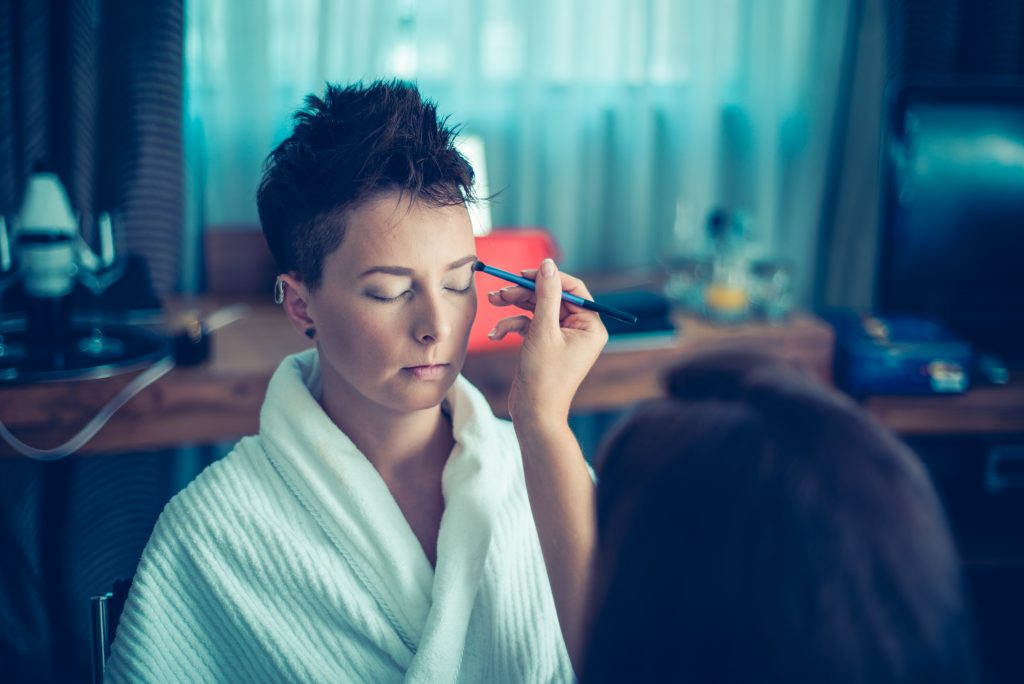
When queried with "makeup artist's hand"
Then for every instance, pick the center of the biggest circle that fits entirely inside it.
(560, 343)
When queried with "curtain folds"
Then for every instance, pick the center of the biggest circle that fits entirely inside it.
(617, 125)
(92, 89)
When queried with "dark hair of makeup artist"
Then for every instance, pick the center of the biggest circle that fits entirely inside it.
(757, 526)
(347, 147)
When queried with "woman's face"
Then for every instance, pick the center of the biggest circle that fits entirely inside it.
(396, 302)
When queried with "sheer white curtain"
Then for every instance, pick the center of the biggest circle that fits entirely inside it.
(615, 124)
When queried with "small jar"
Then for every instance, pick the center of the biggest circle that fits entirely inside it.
(726, 297)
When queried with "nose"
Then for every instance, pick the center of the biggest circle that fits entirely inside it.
(432, 323)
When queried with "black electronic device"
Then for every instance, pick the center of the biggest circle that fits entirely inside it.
(653, 328)
(952, 228)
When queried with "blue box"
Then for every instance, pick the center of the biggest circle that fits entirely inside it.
(898, 355)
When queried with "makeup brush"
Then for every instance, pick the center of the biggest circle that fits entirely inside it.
(571, 298)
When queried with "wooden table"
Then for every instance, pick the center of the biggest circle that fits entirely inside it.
(220, 400)
(623, 376)
(217, 401)
(982, 410)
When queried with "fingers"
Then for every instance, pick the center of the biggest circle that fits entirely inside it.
(526, 299)
(517, 295)
(513, 295)
(548, 295)
(513, 324)
(570, 283)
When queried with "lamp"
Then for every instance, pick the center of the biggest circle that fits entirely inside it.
(472, 148)
(44, 241)
(50, 254)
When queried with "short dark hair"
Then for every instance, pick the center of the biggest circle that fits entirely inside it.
(758, 526)
(348, 147)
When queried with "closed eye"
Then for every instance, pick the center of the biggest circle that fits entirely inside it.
(462, 290)
(388, 299)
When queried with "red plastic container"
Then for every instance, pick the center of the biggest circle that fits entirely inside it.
(510, 249)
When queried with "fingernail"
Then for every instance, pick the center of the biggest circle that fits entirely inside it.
(492, 293)
(492, 333)
(547, 268)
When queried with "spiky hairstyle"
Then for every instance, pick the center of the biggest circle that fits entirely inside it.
(348, 147)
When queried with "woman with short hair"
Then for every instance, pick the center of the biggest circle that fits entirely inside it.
(377, 529)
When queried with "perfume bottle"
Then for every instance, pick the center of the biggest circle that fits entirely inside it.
(726, 297)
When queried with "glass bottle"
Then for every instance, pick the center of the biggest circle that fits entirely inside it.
(726, 297)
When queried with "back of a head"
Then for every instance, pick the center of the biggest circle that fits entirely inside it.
(757, 526)
(346, 148)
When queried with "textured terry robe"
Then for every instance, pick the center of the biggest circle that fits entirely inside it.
(289, 560)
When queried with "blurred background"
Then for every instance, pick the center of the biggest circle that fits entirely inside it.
(861, 156)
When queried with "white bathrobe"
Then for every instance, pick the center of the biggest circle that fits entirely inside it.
(290, 561)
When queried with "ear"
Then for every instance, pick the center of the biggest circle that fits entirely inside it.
(296, 302)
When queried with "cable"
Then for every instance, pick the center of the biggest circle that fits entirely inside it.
(217, 319)
(138, 383)
(225, 316)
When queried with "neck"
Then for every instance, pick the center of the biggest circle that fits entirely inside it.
(393, 441)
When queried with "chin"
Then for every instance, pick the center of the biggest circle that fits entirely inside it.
(424, 396)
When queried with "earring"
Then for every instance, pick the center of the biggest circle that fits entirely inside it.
(310, 333)
(279, 291)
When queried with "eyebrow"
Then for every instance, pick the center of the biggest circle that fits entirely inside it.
(402, 271)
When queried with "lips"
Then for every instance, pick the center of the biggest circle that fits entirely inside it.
(428, 372)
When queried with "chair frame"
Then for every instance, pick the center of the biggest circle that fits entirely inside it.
(100, 648)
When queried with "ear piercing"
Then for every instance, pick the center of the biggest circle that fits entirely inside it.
(279, 299)
(310, 332)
